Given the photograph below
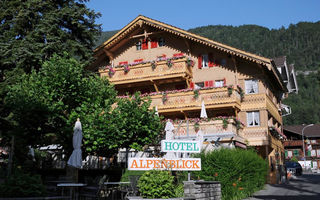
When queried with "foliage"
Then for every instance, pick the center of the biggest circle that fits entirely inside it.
(32, 31)
(196, 94)
(230, 90)
(225, 123)
(164, 97)
(157, 184)
(22, 185)
(305, 106)
(241, 172)
(125, 176)
(294, 159)
(46, 104)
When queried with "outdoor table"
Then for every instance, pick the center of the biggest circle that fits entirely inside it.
(73, 189)
(110, 186)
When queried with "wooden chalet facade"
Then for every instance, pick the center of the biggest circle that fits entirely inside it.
(179, 70)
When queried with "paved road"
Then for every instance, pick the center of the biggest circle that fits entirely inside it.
(305, 187)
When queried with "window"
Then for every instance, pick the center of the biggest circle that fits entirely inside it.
(199, 85)
(138, 46)
(251, 86)
(253, 118)
(161, 42)
(219, 83)
(145, 45)
(154, 43)
(205, 60)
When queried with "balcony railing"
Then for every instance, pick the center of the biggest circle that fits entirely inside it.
(261, 101)
(211, 130)
(145, 72)
(189, 100)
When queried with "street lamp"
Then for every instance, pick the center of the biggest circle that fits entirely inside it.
(304, 152)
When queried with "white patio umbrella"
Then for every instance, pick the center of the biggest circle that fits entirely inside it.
(156, 109)
(203, 113)
(75, 159)
(169, 136)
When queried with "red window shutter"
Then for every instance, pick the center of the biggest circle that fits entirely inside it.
(206, 84)
(123, 63)
(210, 63)
(224, 82)
(154, 44)
(200, 61)
(210, 83)
(144, 45)
(138, 60)
(178, 54)
(192, 85)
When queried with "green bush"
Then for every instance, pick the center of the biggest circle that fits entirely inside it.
(158, 184)
(22, 185)
(240, 172)
(127, 173)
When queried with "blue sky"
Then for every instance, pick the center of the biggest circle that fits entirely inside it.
(187, 14)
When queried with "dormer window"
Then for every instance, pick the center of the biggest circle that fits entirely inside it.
(161, 42)
(138, 45)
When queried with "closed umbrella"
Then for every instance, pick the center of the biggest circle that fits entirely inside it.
(75, 159)
(203, 113)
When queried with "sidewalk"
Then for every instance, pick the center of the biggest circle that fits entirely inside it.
(305, 187)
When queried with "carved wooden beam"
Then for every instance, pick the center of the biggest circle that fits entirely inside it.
(109, 54)
(145, 34)
(235, 70)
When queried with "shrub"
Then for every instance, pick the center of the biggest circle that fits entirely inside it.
(125, 176)
(157, 184)
(22, 185)
(240, 172)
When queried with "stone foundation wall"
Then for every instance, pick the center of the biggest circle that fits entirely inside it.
(202, 190)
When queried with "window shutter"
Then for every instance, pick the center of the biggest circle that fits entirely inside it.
(145, 44)
(200, 61)
(206, 84)
(210, 63)
(123, 63)
(154, 44)
(192, 85)
(138, 60)
(178, 55)
(224, 82)
(210, 83)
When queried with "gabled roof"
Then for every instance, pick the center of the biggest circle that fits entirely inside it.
(140, 20)
(312, 131)
(279, 61)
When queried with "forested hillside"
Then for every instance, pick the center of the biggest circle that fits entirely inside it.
(299, 42)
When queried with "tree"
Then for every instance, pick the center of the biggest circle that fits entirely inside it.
(45, 106)
(33, 30)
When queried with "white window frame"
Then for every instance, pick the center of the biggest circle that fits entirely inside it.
(252, 86)
(219, 83)
(139, 46)
(205, 61)
(199, 85)
(161, 42)
(253, 118)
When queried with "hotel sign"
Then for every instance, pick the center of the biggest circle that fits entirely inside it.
(183, 146)
(181, 164)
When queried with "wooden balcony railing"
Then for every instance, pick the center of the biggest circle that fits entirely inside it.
(144, 72)
(210, 129)
(186, 101)
(261, 101)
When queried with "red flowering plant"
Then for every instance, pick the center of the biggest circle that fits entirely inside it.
(126, 68)
(111, 71)
(153, 65)
(190, 62)
(230, 89)
(240, 92)
(169, 62)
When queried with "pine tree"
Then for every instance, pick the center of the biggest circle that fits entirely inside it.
(33, 30)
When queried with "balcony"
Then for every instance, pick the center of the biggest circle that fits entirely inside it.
(261, 101)
(212, 130)
(144, 72)
(187, 101)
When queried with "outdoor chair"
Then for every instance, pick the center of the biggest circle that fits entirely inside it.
(94, 191)
(133, 187)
